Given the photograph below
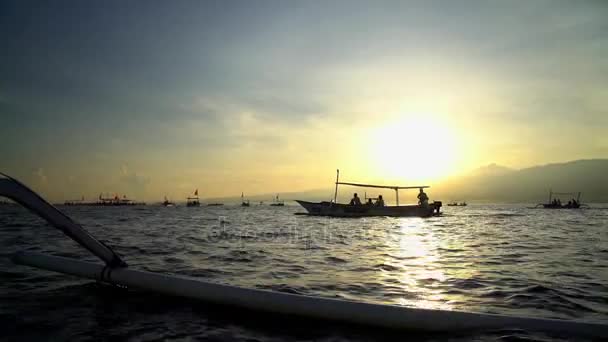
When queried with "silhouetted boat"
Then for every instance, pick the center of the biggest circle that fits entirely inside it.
(193, 201)
(105, 202)
(556, 203)
(456, 204)
(364, 210)
(167, 203)
(243, 202)
(277, 203)
(215, 204)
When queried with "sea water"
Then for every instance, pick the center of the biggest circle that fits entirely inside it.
(506, 259)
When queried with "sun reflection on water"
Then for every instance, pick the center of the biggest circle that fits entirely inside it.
(414, 250)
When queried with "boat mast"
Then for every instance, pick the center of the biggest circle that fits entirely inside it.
(336, 192)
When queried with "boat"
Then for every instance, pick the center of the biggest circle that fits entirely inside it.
(456, 204)
(556, 203)
(365, 210)
(193, 201)
(115, 271)
(244, 203)
(167, 203)
(215, 204)
(114, 201)
(277, 203)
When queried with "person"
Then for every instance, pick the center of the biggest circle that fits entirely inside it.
(559, 202)
(423, 199)
(355, 200)
(380, 201)
(369, 202)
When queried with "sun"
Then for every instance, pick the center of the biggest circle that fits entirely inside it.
(419, 148)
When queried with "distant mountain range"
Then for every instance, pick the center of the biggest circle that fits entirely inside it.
(495, 183)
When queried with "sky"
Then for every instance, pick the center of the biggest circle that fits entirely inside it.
(155, 98)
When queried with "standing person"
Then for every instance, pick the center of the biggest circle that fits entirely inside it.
(423, 199)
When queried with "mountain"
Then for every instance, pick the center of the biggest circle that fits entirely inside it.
(495, 183)
(491, 183)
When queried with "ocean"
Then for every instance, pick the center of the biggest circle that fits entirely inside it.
(506, 259)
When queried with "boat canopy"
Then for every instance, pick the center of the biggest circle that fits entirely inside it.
(394, 187)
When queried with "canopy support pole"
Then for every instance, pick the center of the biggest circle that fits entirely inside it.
(336, 191)
(397, 195)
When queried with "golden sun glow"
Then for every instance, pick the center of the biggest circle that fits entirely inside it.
(417, 148)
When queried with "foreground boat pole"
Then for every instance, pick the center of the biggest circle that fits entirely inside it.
(374, 315)
(18, 192)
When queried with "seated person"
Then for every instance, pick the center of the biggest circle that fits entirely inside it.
(423, 199)
(355, 200)
(380, 201)
(369, 202)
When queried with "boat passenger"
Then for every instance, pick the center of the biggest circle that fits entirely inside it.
(559, 202)
(380, 201)
(355, 200)
(423, 199)
(369, 202)
(569, 204)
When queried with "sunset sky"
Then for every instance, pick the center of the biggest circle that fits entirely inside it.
(153, 98)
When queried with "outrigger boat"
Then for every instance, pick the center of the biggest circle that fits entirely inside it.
(193, 201)
(277, 202)
(244, 203)
(556, 203)
(167, 203)
(114, 271)
(456, 204)
(364, 210)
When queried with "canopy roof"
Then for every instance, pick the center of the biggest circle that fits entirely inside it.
(394, 187)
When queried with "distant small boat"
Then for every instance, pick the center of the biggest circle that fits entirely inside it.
(456, 204)
(215, 204)
(167, 203)
(244, 203)
(423, 209)
(193, 201)
(556, 203)
(277, 202)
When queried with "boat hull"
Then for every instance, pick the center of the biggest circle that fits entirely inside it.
(344, 210)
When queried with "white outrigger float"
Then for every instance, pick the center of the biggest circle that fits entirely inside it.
(336, 209)
(115, 271)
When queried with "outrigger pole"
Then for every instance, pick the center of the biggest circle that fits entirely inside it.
(18, 192)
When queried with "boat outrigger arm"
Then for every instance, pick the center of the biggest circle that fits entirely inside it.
(18, 192)
(373, 315)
